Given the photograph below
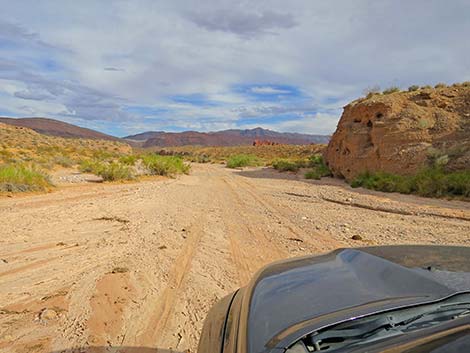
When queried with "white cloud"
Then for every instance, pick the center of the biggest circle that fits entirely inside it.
(268, 90)
(109, 55)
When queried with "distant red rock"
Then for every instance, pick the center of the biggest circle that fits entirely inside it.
(265, 143)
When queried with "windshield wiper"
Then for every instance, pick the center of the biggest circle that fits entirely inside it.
(384, 325)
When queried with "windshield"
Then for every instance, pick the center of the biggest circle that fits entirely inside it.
(371, 328)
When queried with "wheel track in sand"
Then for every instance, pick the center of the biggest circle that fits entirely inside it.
(250, 249)
(156, 325)
(319, 241)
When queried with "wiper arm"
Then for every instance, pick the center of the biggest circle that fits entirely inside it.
(368, 329)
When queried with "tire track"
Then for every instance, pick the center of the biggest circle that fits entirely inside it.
(250, 249)
(320, 241)
(156, 326)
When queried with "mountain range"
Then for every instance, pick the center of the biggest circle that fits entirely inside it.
(231, 137)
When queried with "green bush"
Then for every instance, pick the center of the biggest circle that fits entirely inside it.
(392, 89)
(382, 181)
(319, 168)
(413, 88)
(243, 160)
(128, 160)
(165, 165)
(114, 171)
(108, 171)
(20, 178)
(440, 85)
(284, 165)
(429, 182)
(89, 166)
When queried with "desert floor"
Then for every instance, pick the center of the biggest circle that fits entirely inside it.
(140, 264)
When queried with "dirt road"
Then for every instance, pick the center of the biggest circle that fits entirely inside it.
(139, 265)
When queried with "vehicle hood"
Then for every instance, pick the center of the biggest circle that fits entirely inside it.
(289, 299)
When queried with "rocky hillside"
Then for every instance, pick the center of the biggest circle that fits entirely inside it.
(223, 138)
(401, 132)
(58, 128)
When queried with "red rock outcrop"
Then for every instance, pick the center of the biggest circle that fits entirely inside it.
(402, 132)
(265, 143)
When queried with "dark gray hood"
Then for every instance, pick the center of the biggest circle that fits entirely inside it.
(291, 298)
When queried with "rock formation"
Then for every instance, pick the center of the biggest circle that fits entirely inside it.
(265, 143)
(403, 132)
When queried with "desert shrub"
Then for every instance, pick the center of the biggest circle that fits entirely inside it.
(371, 91)
(165, 165)
(426, 87)
(114, 171)
(242, 160)
(440, 85)
(89, 166)
(391, 89)
(318, 168)
(199, 158)
(63, 161)
(429, 182)
(128, 160)
(466, 84)
(108, 171)
(284, 165)
(382, 181)
(20, 178)
(458, 183)
(413, 88)
(102, 155)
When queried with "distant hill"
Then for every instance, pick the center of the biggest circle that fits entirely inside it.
(57, 128)
(233, 137)
(223, 138)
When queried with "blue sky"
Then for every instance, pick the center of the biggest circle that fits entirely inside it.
(124, 67)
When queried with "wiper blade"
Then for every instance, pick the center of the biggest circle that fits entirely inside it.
(384, 325)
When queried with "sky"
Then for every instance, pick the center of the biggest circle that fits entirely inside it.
(124, 67)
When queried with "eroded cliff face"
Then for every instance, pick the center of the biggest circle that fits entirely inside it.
(403, 132)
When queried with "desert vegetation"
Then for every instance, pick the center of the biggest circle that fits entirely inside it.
(315, 164)
(266, 154)
(108, 170)
(375, 90)
(164, 165)
(430, 182)
(21, 177)
(28, 158)
(243, 160)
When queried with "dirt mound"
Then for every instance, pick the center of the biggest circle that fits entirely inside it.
(402, 132)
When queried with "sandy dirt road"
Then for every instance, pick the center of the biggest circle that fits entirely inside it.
(99, 267)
